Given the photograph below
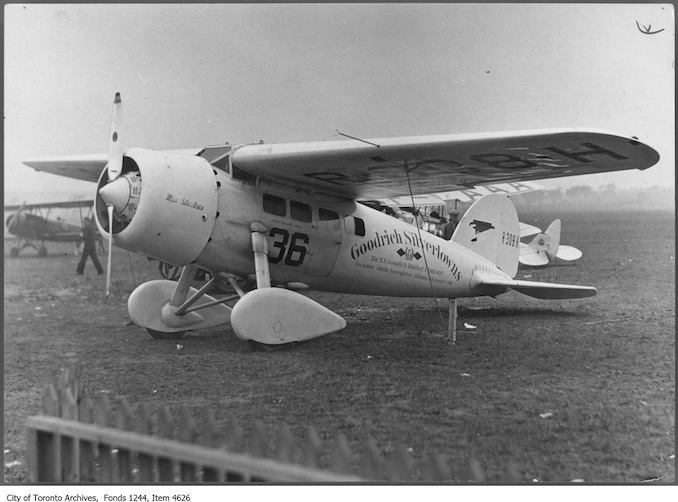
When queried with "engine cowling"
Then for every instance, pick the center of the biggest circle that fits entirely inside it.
(165, 204)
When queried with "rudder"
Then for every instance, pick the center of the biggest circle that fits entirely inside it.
(553, 233)
(490, 228)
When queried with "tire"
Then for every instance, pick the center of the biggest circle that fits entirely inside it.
(161, 335)
(168, 271)
(14, 252)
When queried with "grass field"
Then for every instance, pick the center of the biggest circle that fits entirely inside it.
(603, 367)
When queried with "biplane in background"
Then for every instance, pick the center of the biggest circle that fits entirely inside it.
(31, 224)
(290, 215)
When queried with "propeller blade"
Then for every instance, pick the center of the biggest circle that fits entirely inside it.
(110, 249)
(115, 146)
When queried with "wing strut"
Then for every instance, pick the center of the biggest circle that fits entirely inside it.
(423, 251)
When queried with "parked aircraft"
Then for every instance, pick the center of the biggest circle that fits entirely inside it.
(545, 246)
(289, 215)
(33, 228)
(429, 210)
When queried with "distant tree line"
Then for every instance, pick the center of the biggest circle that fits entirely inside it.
(604, 197)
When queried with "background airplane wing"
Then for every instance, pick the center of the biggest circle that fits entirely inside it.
(46, 205)
(526, 230)
(358, 170)
(568, 253)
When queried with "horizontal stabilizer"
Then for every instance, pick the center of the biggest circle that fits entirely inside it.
(568, 253)
(532, 257)
(542, 290)
(527, 230)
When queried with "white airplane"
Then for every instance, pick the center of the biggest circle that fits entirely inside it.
(545, 246)
(289, 215)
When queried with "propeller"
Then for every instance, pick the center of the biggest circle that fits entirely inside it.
(110, 249)
(114, 168)
(115, 146)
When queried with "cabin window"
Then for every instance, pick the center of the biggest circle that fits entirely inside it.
(300, 211)
(218, 156)
(354, 226)
(274, 205)
(359, 227)
(223, 164)
(328, 219)
(327, 215)
(240, 175)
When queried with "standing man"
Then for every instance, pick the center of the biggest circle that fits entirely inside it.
(451, 224)
(89, 248)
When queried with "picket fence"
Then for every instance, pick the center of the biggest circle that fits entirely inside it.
(80, 440)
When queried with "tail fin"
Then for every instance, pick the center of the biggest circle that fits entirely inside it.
(543, 248)
(490, 228)
(553, 234)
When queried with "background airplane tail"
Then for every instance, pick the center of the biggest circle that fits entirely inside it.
(490, 228)
(553, 241)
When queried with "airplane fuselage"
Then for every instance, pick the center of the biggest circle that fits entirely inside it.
(35, 227)
(335, 245)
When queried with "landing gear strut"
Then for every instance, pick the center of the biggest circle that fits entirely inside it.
(168, 309)
(452, 321)
(266, 315)
(276, 316)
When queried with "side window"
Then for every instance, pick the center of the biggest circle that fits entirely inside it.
(328, 219)
(359, 227)
(240, 175)
(274, 205)
(223, 164)
(300, 211)
(354, 226)
(327, 215)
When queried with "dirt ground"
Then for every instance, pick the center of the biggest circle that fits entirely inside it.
(604, 368)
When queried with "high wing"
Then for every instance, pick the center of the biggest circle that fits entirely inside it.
(425, 164)
(82, 167)
(49, 205)
(430, 164)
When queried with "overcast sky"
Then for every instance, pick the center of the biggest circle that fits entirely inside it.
(192, 75)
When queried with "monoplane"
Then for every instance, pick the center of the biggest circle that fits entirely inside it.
(289, 217)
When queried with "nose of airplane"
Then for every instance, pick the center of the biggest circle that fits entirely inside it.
(116, 194)
(123, 194)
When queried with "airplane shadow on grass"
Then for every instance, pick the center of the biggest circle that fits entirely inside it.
(535, 312)
(223, 339)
